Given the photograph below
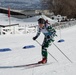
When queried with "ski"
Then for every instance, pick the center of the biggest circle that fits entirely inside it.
(27, 66)
(34, 65)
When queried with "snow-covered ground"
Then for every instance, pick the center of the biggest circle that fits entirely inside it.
(4, 20)
(20, 56)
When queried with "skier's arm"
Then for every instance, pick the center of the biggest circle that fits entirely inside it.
(38, 33)
(51, 30)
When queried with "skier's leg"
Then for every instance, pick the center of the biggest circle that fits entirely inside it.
(44, 53)
(45, 45)
(44, 56)
(44, 50)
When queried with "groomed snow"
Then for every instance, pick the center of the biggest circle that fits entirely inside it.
(20, 56)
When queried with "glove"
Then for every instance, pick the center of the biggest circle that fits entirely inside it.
(48, 36)
(34, 38)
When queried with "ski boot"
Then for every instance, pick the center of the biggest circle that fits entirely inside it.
(43, 61)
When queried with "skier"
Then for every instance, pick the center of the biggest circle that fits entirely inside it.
(49, 34)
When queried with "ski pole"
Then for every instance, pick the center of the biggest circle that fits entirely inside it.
(48, 52)
(62, 52)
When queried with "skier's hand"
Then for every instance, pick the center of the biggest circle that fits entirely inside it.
(34, 38)
(48, 36)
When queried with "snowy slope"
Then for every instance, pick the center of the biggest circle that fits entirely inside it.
(24, 56)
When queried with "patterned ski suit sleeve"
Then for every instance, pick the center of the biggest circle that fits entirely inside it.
(51, 31)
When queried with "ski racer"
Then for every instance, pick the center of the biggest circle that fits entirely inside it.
(49, 34)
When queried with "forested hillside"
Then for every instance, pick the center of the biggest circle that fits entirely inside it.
(63, 7)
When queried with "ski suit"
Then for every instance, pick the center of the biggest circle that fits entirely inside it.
(49, 34)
